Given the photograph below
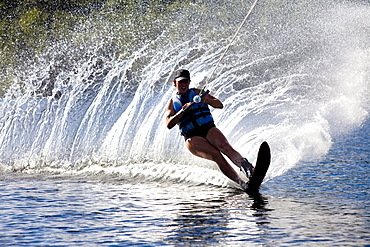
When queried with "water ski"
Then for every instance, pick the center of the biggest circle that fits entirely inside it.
(262, 165)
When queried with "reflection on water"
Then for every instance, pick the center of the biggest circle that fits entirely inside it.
(141, 213)
(200, 221)
(213, 220)
(108, 211)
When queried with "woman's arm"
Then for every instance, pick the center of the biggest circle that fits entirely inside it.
(210, 100)
(172, 118)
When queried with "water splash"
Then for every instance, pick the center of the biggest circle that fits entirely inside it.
(295, 82)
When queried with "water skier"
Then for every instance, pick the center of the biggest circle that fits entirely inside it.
(202, 137)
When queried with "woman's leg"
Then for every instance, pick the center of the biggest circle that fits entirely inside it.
(200, 147)
(219, 141)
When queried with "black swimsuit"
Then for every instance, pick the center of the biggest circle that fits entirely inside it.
(199, 131)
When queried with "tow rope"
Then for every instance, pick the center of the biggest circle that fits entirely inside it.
(227, 48)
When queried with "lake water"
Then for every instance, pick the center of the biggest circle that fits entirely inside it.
(323, 203)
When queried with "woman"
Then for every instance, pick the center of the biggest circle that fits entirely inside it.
(202, 137)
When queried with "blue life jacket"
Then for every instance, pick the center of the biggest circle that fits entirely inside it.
(198, 115)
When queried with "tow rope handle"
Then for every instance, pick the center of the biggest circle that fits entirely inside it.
(200, 95)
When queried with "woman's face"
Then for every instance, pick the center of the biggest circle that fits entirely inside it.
(182, 86)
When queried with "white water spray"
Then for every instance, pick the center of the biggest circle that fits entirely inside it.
(284, 82)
